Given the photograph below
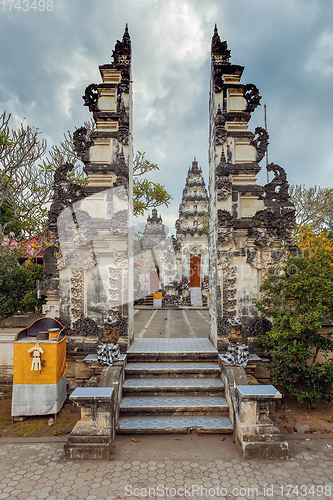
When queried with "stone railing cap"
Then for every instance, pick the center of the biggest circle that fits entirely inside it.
(92, 358)
(94, 393)
(258, 392)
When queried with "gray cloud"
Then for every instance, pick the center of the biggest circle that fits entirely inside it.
(48, 58)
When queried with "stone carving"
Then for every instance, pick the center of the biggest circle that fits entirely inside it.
(220, 56)
(191, 197)
(114, 274)
(220, 130)
(259, 326)
(121, 169)
(266, 226)
(224, 188)
(65, 194)
(252, 96)
(119, 223)
(189, 230)
(229, 288)
(81, 143)
(115, 287)
(176, 244)
(220, 48)
(121, 56)
(191, 213)
(85, 327)
(277, 189)
(195, 183)
(252, 257)
(91, 96)
(225, 223)
(122, 326)
(123, 125)
(76, 226)
(223, 327)
(77, 293)
(260, 142)
(87, 261)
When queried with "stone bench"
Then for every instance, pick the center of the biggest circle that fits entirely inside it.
(93, 436)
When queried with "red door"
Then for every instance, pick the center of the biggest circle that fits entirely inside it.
(195, 270)
(154, 281)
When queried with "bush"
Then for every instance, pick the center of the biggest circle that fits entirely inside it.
(17, 282)
(299, 299)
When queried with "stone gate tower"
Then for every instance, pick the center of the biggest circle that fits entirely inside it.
(88, 267)
(248, 223)
(192, 241)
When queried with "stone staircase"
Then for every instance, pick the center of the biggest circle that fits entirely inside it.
(147, 301)
(173, 393)
(196, 296)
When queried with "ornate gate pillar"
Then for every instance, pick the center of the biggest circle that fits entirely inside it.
(248, 223)
(91, 226)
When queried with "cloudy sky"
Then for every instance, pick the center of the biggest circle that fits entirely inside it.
(48, 58)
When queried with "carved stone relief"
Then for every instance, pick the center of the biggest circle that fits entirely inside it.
(260, 142)
(224, 188)
(252, 96)
(77, 293)
(220, 130)
(82, 143)
(277, 189)
(225, 223)
(91, 97)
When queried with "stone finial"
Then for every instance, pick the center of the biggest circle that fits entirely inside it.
(219, 47)
(194, 168)
(122, 50)
(154, 217)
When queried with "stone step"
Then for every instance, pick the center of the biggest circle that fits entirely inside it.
(171, 357)
(158, 405)
(177, 425)
(177, 386)
(166, 370)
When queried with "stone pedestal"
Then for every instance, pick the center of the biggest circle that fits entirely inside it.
(93, 436)
(256, 435)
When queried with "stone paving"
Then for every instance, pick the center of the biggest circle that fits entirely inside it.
(33, 471)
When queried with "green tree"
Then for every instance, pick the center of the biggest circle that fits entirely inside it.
(25, 183)
(314, 207)
(299, 299)
(17, 281)
(146, 194)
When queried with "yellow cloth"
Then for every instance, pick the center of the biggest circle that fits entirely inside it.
(55, 362)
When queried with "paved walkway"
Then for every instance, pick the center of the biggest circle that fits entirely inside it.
(171, 323)
(165, 467)
(172, 345)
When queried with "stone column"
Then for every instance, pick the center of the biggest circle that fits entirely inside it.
(248, 223)
(92, 225)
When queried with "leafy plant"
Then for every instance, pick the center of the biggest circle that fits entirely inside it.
(17, 281)
(299, 299)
